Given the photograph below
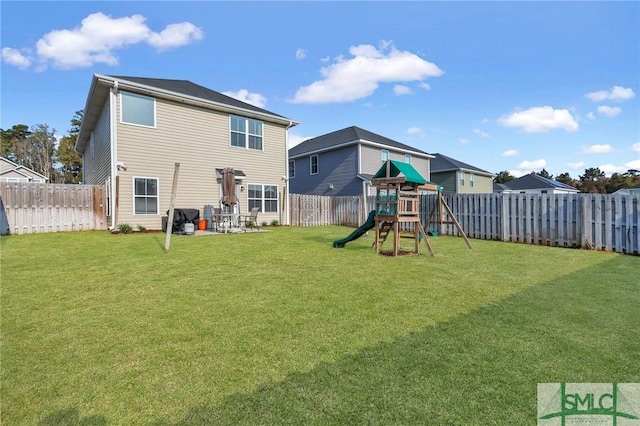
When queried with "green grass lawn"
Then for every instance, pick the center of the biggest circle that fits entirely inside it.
(280, 328)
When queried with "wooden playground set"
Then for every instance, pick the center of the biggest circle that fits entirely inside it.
(397, 213)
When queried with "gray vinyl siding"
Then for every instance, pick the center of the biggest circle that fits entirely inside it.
(372, 160)
(338, 168)
(97, 154)
(198, 139)
(447, 180)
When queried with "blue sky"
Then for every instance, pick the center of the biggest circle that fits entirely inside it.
(515, 86)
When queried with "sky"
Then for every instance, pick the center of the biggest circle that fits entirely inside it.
(503, 86)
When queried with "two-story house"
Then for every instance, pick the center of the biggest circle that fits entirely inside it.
(135, 129)
(343, 162)
(461, 178)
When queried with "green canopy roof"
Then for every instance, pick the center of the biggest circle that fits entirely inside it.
(397, 168)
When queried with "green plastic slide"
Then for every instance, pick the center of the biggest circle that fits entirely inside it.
(359, 232)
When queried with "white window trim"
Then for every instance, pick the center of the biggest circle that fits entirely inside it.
(382, 155)
(155, 118)
(461, 178)
(246, 133)
(292, 169)
(133, 181)
(311, 164)
(409, 158)
(471, 179)
(263, 198)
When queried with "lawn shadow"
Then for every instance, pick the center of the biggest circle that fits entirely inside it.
(71, 417)
(479, 368)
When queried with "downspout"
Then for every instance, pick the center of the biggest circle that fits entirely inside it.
(113, 103)
(285, 178)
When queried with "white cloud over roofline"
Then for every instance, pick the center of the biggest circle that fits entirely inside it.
(98, 37)
(616, 94)
(540, 120)
(255, 99)
(359, 76)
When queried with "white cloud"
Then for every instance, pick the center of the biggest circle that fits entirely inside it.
(424, 86)
(518, 173)
(532, 165)
(576, 166)
(598, 149)
(510, 153)
(591, 116)
(540, 120)
(415, 131)
(297, 139)
(609, 111)
(634, 164)
(480, 133)
(346, 80)
(609, 169)
(636, 147)
(301, 53)
(463, 141)
(255, 99)
(616, 94)
(98, 38)
(15, 57)
(400, 89)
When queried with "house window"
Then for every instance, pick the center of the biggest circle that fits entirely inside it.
(314, 164)
(292, 169)
(13, 180)
(384, 155)
(407, 158)
(471, 179)
(246, 133)
(138, 110)
(461, 178)
(263, 196)
(145, 193)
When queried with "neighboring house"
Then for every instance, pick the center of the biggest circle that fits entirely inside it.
(461, 178)
(632, 190)
(135, 130)
(12, 172)
(501, 188)
(343, 162)
(536, 184)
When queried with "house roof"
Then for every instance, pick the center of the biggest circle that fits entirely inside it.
(350, 136)
(21, 170)
(535, 181)
(397, 168)
(180, 90)
(442, 164)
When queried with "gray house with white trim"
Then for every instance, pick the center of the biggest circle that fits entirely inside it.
(460, 178)
(343, 162)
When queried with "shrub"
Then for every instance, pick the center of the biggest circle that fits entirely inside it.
(264, 223)
(142, 228)
(125, 228)
(274, 222)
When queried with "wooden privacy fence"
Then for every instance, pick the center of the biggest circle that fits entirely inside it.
(594, 221)
(42, 207)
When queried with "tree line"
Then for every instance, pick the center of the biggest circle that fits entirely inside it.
(38, 148)
(593, 180)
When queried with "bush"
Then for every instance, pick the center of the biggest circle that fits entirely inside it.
(274, 222)
(264, 223)
(142, 228)
(125, 228)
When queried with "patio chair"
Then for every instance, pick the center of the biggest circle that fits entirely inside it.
(251, 219)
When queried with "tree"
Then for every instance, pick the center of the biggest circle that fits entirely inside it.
(545, 174)
(503, 177)
(593, 181)
(566, 179)
(14, 142)
(69, 161)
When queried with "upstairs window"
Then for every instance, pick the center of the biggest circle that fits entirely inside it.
(407, 158)
(246, 133)
(292, 169)
(461, 178)
(314, 164)
(137, 109)
(384, 155)
(471, 179)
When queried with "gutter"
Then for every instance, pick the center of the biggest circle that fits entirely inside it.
(285, 178)
(364, 142)
(113, 101)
